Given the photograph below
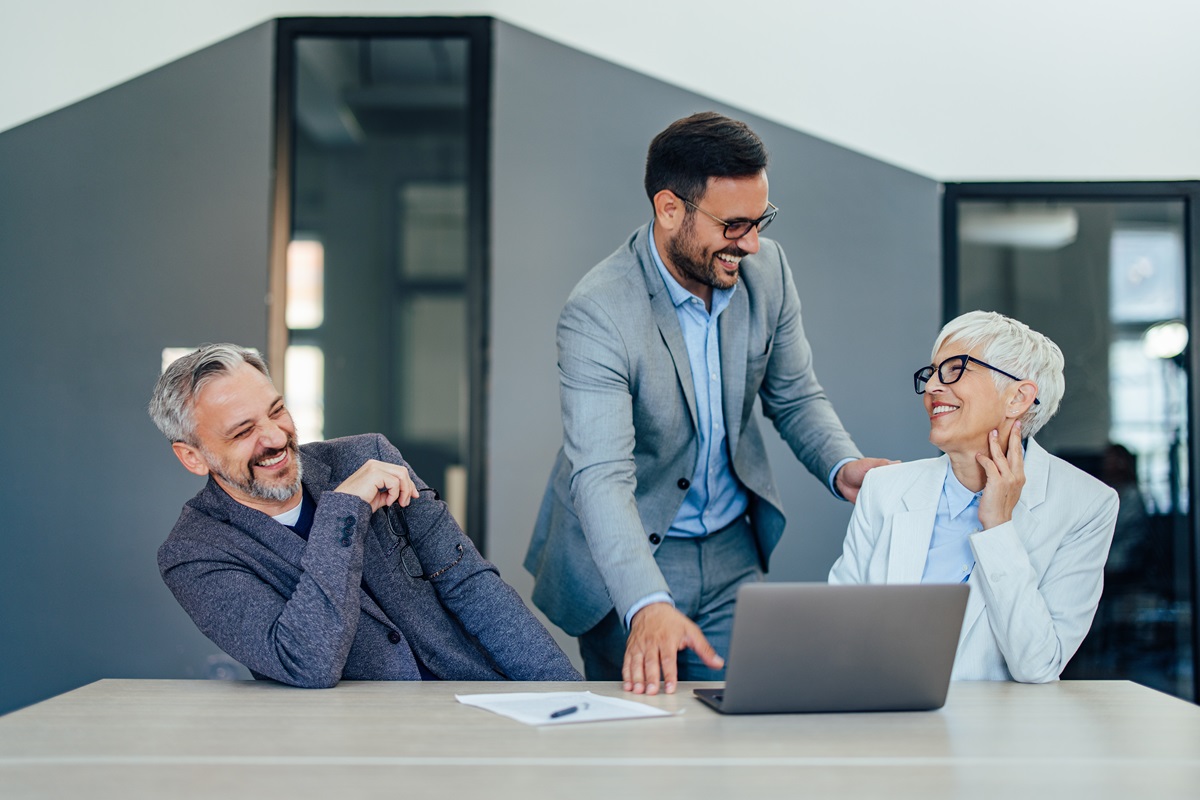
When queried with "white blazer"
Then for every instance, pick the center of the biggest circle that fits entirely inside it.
(1037, 578)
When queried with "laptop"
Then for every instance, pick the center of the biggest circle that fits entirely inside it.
(813, 647)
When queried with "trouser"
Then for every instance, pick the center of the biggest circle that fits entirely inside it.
(703, 575)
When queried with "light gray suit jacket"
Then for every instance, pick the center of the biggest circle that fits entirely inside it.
(341, 605)
(629, 425)
(1037, 579)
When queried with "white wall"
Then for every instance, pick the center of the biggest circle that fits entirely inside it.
(952, 89)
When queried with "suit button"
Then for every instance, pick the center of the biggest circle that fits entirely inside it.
(345, 541)
(683, 483)
(655, 538)
(394, 637)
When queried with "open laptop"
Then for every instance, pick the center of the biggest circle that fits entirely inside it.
(813, 647)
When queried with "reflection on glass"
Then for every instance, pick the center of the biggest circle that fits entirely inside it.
(1095, 277)
(305, 392)
(433, 230)
(1147, 274)
(172, 354)
(305, 284)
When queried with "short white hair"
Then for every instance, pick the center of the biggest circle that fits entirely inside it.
(1014, 347)
(172, 405)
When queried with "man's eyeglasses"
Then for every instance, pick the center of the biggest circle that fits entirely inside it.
(739, 227)
(951, 371)
(401, 554)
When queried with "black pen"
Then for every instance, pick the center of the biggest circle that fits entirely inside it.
(562, 712)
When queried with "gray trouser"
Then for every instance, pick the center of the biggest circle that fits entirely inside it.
(703, 575)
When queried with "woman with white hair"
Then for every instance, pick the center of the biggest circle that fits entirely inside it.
(1025, 530)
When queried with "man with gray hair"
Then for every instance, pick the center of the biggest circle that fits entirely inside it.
(328, 561)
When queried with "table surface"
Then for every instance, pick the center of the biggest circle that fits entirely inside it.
(142, 738)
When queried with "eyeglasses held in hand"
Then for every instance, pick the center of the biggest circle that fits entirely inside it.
(403, 555)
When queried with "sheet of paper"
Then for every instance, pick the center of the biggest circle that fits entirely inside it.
(560, 708)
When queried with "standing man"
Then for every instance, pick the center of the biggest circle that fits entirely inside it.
(328, 561)
(661, 502)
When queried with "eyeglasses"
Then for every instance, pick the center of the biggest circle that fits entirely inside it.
(951, 371)
(739, 227)
(402, 555)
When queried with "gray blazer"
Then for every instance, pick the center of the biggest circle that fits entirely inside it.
(629, 425)
(342, 605)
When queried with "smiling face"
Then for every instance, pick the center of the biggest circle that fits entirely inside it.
(246, 439)
(696, 251)
(963, 414)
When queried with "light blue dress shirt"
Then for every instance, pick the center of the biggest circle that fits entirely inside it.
(715, 497)
(950, 558)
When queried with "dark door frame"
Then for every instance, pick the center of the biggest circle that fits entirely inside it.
(477, 31)
(1113, 192)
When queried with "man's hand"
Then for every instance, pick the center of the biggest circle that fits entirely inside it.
(656, 635)
(850, 477)
(1005, 479)
(379, 484)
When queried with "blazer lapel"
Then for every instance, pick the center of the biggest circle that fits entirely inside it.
(666, 319)
(975, 606)
(279, 539)
(375, 574)
(912, 528)
(734, 328)
(1025, 521)
(1037, 478)
(318, 480)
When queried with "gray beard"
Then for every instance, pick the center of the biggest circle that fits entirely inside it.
(252, 488)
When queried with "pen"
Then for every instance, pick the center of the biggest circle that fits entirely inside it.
(562, 712)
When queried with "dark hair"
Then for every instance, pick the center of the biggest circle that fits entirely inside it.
(706, 145)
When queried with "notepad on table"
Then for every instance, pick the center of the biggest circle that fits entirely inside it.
(561, 708)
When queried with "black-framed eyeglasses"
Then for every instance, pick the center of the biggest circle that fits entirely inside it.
(401, 554)
(739, 227)
(951, 371)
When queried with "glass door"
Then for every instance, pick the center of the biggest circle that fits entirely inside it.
(385, 278)
(1103, 270)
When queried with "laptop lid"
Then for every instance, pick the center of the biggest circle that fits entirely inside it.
(820, 648)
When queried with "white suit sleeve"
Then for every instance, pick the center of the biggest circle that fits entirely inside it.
(1039, 626)
(861, 537)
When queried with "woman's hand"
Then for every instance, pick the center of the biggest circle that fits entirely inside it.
(1005, 477)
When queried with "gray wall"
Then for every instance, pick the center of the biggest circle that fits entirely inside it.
(139, 219)
(134, 220)
(570, 136)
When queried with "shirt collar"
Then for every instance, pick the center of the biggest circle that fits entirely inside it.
(680, 295)
(958, 497)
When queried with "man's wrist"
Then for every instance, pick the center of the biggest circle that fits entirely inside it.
(833, 473)
(650, 599)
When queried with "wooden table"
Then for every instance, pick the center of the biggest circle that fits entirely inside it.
(182, 739)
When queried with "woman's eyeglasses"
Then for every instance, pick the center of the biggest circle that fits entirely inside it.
(951, 371)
